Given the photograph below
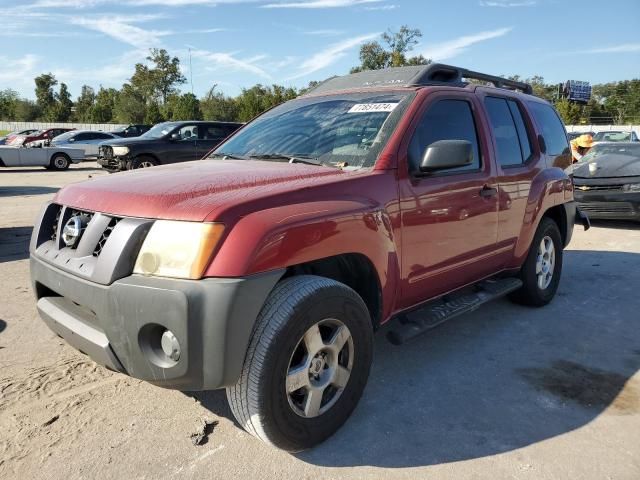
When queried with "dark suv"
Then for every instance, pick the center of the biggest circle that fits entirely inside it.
(168, 142)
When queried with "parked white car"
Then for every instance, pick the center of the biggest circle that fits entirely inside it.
(52, 158)
(87, 140)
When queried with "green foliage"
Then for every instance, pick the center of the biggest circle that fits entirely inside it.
(85, 103)
(570, 112)
(104, 106)
(373, 56)
(8, 100)
(130, 106)
(183, 107)
(165, 74)
(45, 98)
(217, 106)
(153, 114)
(257, 99)
(63, 104)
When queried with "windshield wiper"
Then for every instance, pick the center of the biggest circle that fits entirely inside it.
(291, 158)
(230, 156)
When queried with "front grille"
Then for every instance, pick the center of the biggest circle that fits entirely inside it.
(105, 236)
(56, 221)
(618, 208)
(599, 188)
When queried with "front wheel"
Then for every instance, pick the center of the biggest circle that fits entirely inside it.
(143, 161)
(59, 162)
(541, 271)
(307, 363)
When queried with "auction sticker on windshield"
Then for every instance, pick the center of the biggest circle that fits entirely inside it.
(372, 107)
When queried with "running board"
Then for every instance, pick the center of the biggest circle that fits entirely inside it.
(412, 324)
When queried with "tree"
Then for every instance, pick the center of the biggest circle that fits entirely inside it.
(130, 106)
(255, 100)
(184, 107)
(153, 114)
(103, 110)
(570, 112)
(165, 74)
(45, 98)
(63, 104)
(85, 103)
(217, 106)
(373, 56)
(8, 102)
(26, 111)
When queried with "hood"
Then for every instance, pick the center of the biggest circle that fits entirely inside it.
(131, 141)
(193, 191)
(609, 166)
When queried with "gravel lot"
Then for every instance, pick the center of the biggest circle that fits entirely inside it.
(505, 392)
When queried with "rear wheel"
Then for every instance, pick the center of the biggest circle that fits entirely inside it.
(59, 162)
(143, 161)
(307, 363)
(541, 271)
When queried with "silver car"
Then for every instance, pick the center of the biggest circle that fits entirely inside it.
(87, 140)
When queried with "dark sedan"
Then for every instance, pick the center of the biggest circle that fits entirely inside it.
(167, 142)
(607, 181)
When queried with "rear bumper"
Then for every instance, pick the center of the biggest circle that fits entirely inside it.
(120, 325)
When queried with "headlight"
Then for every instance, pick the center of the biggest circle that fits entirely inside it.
(631, 187)
(178, 249)
(120, 151)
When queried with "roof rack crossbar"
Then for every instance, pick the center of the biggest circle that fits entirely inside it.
(416, 76)
(439, 72)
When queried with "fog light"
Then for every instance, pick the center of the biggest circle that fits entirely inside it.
(170, 345)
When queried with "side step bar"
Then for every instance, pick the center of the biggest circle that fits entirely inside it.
(418, 321)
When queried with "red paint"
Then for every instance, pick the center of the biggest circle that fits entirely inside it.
(424, 236)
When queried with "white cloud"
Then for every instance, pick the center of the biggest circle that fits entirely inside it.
(121, 31)
(323, 32)
(383, 7)
(330, 55)
(624, 48)
(453, 48)
(507, 3)
(319, 4)
(229, 61)
(18, 70)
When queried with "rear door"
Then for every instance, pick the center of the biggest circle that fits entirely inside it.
(210, 135)
(449, 218)
(518, 159)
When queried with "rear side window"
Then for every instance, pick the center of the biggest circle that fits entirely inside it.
(504, 131)
(445, 120)
(553, 132)
(523, 136)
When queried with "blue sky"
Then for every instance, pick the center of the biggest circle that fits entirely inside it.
(238, 43)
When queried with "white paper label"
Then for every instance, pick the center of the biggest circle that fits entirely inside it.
(372, 107)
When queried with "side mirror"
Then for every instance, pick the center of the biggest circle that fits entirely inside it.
(175, 136)
(446, 154)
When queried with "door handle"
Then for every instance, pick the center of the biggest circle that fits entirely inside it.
(488, 191)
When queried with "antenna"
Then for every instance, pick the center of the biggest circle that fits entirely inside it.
(191, 70)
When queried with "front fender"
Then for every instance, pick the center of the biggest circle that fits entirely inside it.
(549, 188)
(290, 235)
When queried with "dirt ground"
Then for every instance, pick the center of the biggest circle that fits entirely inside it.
(504, 392)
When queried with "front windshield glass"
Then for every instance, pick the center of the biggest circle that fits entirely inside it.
(612, 137)
(629, 149)
(347, 130)
(159, 130)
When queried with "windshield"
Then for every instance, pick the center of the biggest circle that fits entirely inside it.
(627, 149)
(347, 130)
(612, 137)
(64, 137)
(159, 130)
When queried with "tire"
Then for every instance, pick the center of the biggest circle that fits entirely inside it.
(263, 403)
(143, 161)
(538, 288)
(59, 162)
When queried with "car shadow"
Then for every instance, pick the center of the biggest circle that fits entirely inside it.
(23, 190)
(615, 224)
(14, 243)
(3, 325)
(498, 379)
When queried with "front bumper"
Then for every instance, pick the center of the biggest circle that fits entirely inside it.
(114, 163)
(608, 205)
(120, 325)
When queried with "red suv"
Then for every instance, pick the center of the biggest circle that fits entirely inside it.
(47, 135)
(404, 195)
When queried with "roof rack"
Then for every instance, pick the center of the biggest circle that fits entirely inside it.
(416, 76)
